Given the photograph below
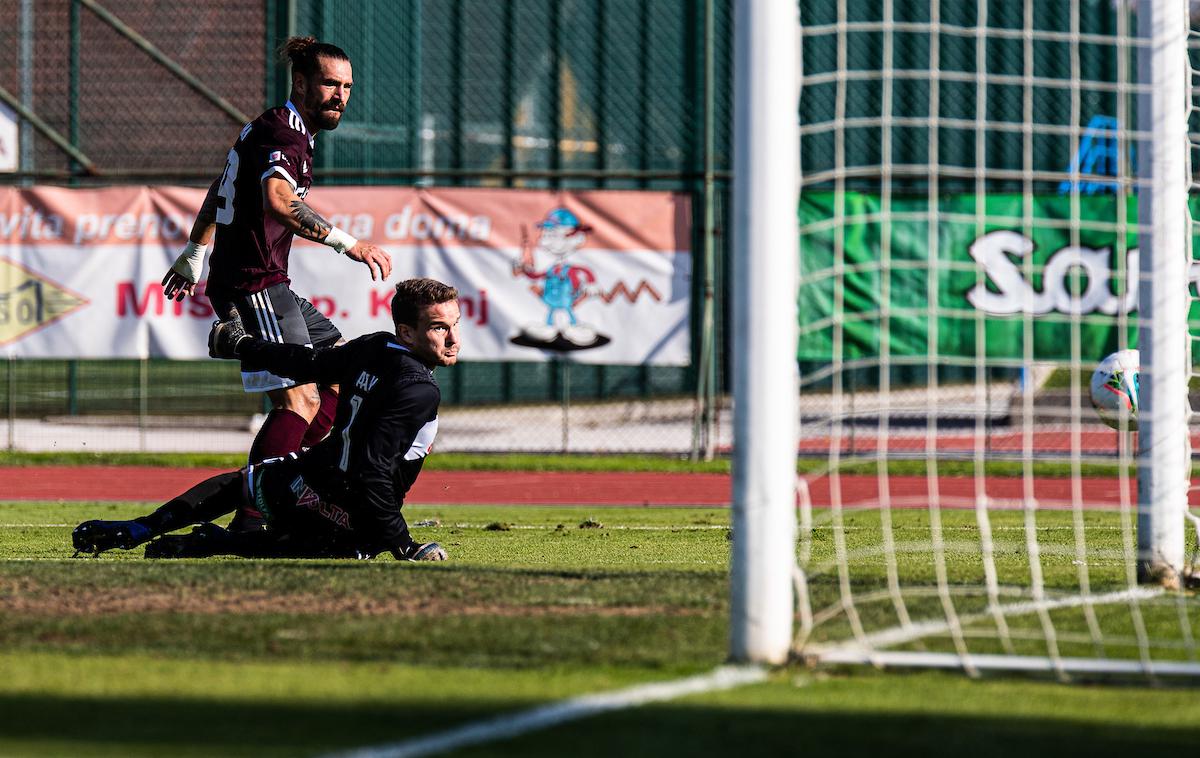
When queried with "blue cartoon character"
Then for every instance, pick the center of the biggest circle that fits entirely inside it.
(561, 286)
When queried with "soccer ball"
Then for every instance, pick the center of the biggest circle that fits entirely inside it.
(1115, 386)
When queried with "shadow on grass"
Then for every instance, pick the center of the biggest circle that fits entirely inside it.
(47, 725)
(40, 725)
(671, 730)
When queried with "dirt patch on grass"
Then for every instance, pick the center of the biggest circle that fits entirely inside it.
(31, 599)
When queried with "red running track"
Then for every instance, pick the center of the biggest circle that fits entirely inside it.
(127, 483)
(1092, 440)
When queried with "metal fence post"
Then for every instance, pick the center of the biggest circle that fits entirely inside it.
(565, 370)
(72, 388)
(12, 403)
(143, 401)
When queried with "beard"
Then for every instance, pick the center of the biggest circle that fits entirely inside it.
(326, 115)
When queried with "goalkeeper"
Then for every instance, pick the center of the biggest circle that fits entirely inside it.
(342, 497)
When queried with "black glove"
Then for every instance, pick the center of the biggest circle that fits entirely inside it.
(225, 337)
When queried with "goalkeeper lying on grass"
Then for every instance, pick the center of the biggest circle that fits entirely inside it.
(342, 497)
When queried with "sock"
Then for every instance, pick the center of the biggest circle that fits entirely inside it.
(210, 499)
(280, 434)
(324, 419)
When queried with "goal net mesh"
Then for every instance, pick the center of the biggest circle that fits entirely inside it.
(968, 233)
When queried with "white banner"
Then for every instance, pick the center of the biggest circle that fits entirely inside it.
(10, 133)
(596, 277)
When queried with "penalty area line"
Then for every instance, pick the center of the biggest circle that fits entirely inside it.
(546, 716)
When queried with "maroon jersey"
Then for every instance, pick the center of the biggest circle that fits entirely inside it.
(251, 249)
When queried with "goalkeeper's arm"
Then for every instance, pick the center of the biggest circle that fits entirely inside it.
(181, 278)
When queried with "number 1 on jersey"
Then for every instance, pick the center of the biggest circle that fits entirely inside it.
(355, 404)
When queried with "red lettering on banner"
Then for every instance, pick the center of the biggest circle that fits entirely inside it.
(153, 301)
(469, 307)
(325, 304)
(127, 299)
(381, 301)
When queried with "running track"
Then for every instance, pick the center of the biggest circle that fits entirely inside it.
(128, 483)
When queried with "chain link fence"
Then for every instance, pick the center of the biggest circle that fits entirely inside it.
(538, 93)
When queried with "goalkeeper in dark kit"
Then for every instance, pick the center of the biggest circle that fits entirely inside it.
(341, 498)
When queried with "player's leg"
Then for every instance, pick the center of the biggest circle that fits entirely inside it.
(323, 334)
(282, 316)
(274, 315)
(322, 422)
(208, 500)
(296, 523)
(292, 411)
(209, 539)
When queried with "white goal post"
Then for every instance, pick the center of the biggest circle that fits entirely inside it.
(994, 196)
(1164, 241)
(765, 164)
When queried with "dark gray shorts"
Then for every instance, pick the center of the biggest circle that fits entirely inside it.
(277, 314)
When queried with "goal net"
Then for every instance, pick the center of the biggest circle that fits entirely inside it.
(994, 198)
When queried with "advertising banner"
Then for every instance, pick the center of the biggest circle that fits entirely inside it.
(592, 276)
(942, 287)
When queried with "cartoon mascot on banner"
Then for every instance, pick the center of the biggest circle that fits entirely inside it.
(561, 286)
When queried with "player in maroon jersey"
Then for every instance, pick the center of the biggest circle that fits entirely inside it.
(254, 209)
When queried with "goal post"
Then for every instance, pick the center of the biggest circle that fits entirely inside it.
(765, 387)
(1164, 244)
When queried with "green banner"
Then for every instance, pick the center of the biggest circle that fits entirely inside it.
(1001, 270)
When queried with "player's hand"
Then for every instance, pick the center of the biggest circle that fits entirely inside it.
(176, 286)
(225, 337)
(181, 278)
(376, 259)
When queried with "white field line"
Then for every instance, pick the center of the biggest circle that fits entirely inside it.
(515, 527)
(546, 716)
(30, 526)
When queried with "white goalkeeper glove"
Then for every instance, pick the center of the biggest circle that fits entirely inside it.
(181, 278)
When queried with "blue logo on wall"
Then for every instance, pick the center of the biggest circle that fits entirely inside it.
(1097, 156)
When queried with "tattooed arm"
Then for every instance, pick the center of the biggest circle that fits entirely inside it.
(286, 207)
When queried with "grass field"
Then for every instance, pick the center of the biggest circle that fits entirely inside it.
(119, 656)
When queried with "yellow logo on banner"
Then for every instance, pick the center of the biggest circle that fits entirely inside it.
(29, 301)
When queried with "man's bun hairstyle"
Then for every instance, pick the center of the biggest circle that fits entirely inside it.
(302, 53)
(414, 295)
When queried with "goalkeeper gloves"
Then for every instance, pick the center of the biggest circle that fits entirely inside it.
(429, 551)
(226, 336)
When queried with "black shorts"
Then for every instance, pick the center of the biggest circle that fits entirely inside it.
(277, 314)
(277, 489)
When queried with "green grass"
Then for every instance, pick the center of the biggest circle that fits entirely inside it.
(118, 656)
